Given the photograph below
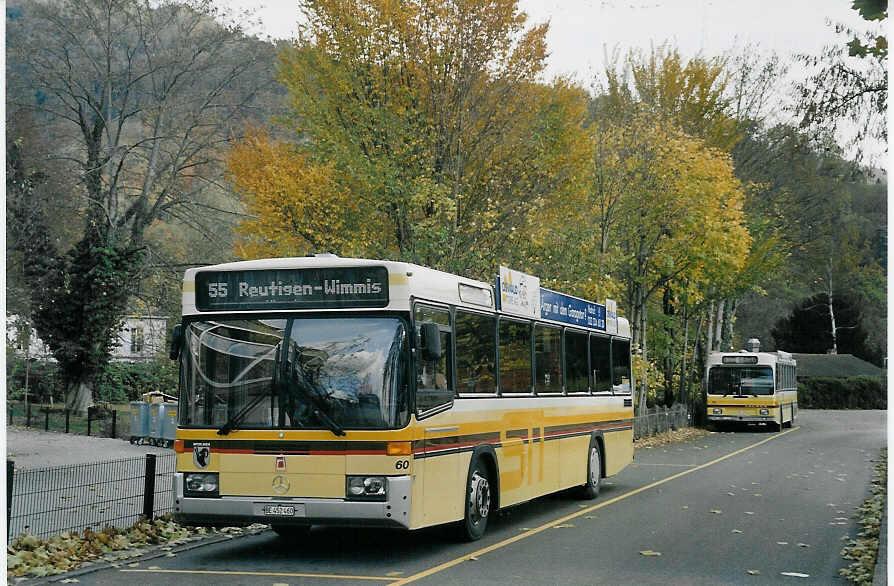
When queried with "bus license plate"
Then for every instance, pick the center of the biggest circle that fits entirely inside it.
(279, 510)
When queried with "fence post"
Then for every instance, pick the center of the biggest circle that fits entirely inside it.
(46, 419)
(89, 421)
(10, 476)
(28, 414)
(11, 411)
(114, 423)
(149, 487)
(67, 414)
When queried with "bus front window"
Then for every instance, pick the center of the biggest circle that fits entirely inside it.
(302, 373)
(740, 380)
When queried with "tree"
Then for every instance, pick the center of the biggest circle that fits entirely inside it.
(141, 96)
(425, 123)
(849, 82)
(807, 329)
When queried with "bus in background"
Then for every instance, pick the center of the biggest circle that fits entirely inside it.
(339, 391)
(750, 386)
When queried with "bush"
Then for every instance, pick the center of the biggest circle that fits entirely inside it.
(127, 381)
(44, 382)
(857, 392)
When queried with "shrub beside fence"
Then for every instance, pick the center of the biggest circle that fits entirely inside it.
(856, 392)
(50, 501)
(661, 419)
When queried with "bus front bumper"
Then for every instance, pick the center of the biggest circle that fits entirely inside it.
(742, 418)
(230, 511)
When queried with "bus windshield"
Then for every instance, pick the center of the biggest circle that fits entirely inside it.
(299, 373)
(740, 380)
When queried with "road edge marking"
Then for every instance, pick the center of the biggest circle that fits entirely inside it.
(251, 573)
(536, 530)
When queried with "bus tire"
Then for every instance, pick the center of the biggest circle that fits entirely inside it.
(590, 490)
(478, 501)
(291, 532)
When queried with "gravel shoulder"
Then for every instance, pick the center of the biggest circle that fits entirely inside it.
(30, 448)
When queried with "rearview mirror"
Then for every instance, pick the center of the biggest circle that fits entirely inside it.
(176, 341)
(430, 341)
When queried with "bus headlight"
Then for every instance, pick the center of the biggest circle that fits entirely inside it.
(765, 411)
(204, 484)
(372, 488)
(718, 411)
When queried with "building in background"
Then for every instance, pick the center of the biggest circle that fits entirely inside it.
(140, 338)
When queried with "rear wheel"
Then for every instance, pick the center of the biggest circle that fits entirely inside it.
(477, 502)
(594, 471)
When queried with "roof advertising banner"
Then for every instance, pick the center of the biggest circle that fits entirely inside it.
(571, 310)
(519, 293)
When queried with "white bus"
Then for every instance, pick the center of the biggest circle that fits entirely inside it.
(340, 391)
(752, 387)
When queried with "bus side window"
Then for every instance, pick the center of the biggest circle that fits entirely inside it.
(476, 344)
(434, 387)
(515, 356)
(620, 366)
(576, 362)
(548, 357)
(600, 364)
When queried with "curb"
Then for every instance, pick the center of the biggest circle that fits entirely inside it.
(880, 578)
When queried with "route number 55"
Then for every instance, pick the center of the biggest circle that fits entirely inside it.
(217, 289)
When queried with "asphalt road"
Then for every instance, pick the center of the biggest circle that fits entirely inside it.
(714, 509)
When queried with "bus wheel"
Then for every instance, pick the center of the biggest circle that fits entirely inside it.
(291, 532)
(478, 501)
(594, 471)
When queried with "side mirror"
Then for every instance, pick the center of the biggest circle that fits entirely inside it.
(430, 341)
(176, 342)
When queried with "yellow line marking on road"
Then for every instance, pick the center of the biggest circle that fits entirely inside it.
(249, 573)
(565, 519)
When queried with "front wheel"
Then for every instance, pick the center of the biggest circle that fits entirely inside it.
(477, 502)
(590, 490)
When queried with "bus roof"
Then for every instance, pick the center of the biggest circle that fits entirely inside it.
(257, 279)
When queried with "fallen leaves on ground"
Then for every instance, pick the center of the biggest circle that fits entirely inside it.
(864, 549)
(677, 435)
(649, 553)
(29, 556)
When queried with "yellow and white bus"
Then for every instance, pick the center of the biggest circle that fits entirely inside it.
(752, 387)
(340, 391)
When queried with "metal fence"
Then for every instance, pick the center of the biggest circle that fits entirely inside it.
(99, 423)
(661, 419)
(49, 501)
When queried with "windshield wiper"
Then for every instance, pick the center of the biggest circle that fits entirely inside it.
(303, 386)
(233, 421)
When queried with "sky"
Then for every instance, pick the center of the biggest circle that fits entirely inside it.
(583, 32)
(581, 29)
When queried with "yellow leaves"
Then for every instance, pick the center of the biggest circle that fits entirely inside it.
(295, 205)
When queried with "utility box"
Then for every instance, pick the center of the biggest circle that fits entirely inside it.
(168, 424)
(139, 422)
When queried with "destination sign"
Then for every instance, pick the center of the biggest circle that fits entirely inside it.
(571, 310)
(316, 288)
